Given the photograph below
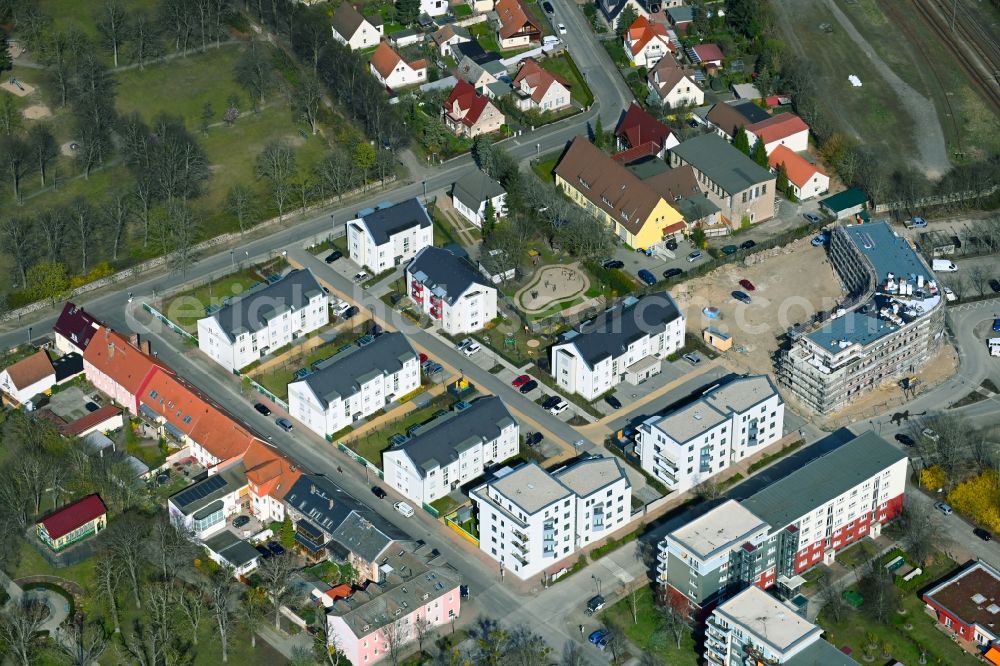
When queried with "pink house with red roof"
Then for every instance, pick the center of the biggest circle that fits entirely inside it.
(470, 113)
(74, 522)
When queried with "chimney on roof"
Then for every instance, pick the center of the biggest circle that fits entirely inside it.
(134, 340)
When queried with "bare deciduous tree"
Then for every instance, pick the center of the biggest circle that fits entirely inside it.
(43, 147)
(112, 23)
(274, 574)
(240, 204)
(191, 603)
(830, 597)
(86, 642)
(422, 630)
(124, 542)
(674, 620)
(276, 165)
(15, 155)
(221, 589)
(573, 654)
(85, 223)
(19, 625)
(394, 634)
(108, 576)
(252, 612)
(308, 100)
(16, 235)
(254, 72)
(922, 533)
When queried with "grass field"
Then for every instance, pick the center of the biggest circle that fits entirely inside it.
(185, 309)
(276, 380)
(563, 65)
(82, 14)
(645, 633)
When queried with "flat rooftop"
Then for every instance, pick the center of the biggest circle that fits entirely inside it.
(887, 252)
(850, 329)
(768, 620)
(725, 526)
(972, 595)
(715, 406)
(531, 488)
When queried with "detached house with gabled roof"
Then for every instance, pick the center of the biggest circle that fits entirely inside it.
(451, 291)
(805, 178)
(268, 317)
(354, 384)
(452, 450)
(472, 192)
(784, 129)
(468, 112)
(74, 329)
(390, 236)
(639, 131)
(22, 381)
(673, 85)
(74, 522)
(516, 29)
(636, 213)
(626, 342)
(448, 36)
(646, 42)
(727, 119)
(355, 31)
(393, 72)
(539, 89)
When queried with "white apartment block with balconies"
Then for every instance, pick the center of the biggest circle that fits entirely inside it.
(451, 291)
(723, 426)
(530, 520)
(389, 237)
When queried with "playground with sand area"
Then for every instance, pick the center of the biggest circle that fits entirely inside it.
(553, 289)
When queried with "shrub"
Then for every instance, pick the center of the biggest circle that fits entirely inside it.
(979, 498)
(933, 477)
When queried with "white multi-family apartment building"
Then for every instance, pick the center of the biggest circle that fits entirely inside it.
(786, 528)
(700, 439)
(754, 627)
(625, 343)
(266, 318)
(530, 519)
(354, 384)
(451, 291)
(390, 236)
(452, 450)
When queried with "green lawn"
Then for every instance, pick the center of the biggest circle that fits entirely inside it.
(277, 379)
(616, 50)
(645, 633)
(82, 15)
(186, 308)
(462, 11)
(486, 36)
(544, 166)
(31, 563)
(373, 444)
(563, 66)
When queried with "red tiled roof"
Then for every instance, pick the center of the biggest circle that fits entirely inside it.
(513, 17)
(111, 354)
(341, 591)
(76, 325)
(798, 168)
(29, 370)
(268, 471)
(637, 127)
(90, 420)
(778, 127)
(708, 52)
(631, 154)
(384, 60)
(74, 515)
(467, 99)
(643, 31)
(538, 79)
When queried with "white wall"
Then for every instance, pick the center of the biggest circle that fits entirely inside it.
(478, 216)
(495, 539)
(817, 185)
(616, 507)
(378, 258)
(28, 392)
(797, 143)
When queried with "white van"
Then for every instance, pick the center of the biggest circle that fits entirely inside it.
(944, 266)
(403, 508)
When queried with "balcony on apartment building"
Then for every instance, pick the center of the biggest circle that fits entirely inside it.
(520, 546)
(523, 536)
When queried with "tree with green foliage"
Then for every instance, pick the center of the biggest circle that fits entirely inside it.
(759, 153)
(741, 141)
(364, 159)
(699, 238)
(288, 532)
(625, 20)
(407, 11)
(489, 218)
(600, 136)
(6, 62)
(782, 181)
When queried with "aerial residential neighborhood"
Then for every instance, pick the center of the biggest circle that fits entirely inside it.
(499, 332)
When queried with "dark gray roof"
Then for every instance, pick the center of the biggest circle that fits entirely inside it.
(347, 20)
(366, 534)
(251, 311)
(475, 188)
(203, 493)
(821, 480)
(446, 276)
(384, 223)
(820, 653)
(751, 111)
(233, 549)
(442, 440)
(342, 375)
(720, 161)
(610, 333)
(695, 207)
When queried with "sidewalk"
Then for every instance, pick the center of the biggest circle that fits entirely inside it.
(282, 642)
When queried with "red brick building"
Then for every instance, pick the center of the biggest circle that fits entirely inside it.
(968, 603)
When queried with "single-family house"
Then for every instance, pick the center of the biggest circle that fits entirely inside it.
(354, 384)
(450, 291)
(637, 128)
(74, 329)
(707, 55)
(646, 42)
(740, 187)
(783, 129)
(389, 237)
(673, 85)
(470, 113)
(22, 381)
(72, 523)
(452, 450)
(477, 74)
(434, 7)
(228, 550)
(265, 318)
(355, 31)
(472, 192)
(103, 420)
(393, 72)
(805, 178)
(727, 119)
(449, 35)
(539, 89)
(635, 212)
(517, 28)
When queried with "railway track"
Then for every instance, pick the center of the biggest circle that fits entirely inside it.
(975, 49)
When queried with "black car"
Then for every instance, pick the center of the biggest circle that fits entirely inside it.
(528, 387)
(91, 407)
(982, 534)
(742, 297)
(995, 286)
(333, 256)
(672, 273)
(551, 401)
(671, 244)
(533, 438)
(905, 440)
(747, 244)
(264, 552)
(464, 589)
(379, 493)
(547, 6)
(275, 548)
(240, 521)
(351, 311)
(614, 263)
(613, 401)
(262, 408)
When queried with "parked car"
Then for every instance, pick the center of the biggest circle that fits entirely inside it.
(262, 408)
(464, 589)
(547, 6)
(533, 438)
(730, 249)
(605, 639)
(550, 401)
(671, 244)
(813, 217)
(949, 295)
(672, 273)
(996, 325)
(983, 534)
(559, 408)
(694, 256)
(747, 284)
(595, 604)
(351, 312)
(463, 344)
(423, 358)
(613, 402)
(596, 636)
(240, 521)
(562, 29)
(692, 358)
(647, 277)
(339, 307)
(333, 256)
(742, 297)
(904, 439)
(275, 548)
(360, 277)
(944, 508)
(748, 244)
(471, 348)
(917, 223)
(528, 387)
(820, 240)
(264, 552)
(284, 424)
(379, 492)
(614, 263)
(520, 381)
(930, 434)
(403, 508)
(995, 285)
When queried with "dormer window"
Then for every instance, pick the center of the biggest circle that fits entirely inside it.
(584, 183)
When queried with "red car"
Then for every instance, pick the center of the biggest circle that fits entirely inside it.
(520, 381)
(423, 358)
(747, 284)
